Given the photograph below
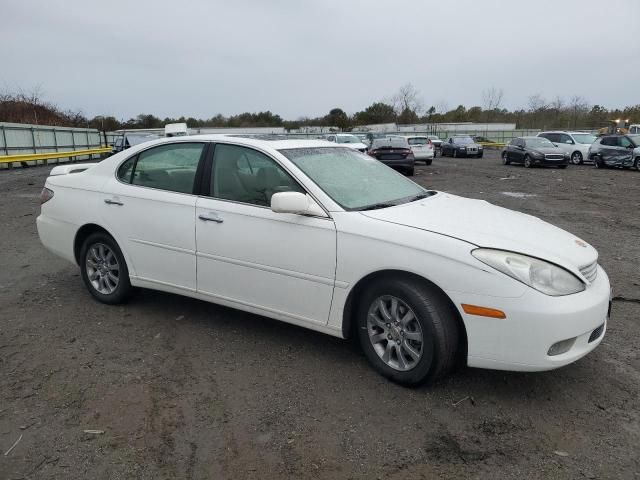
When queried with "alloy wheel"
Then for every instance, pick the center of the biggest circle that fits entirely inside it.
(395, 333)
(576, 158)
(103, 270)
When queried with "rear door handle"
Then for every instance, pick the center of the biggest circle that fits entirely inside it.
(211, 217)
(112, 202)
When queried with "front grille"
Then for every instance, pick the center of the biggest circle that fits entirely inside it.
(590, 271)
(472, 150)
(554, 156)
(596, 333)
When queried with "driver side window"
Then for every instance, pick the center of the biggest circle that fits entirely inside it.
(241, 174)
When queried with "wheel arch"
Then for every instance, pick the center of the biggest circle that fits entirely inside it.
(82, 234)
(349, 309)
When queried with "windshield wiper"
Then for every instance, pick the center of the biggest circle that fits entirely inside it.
(377, 206)
(420, 196)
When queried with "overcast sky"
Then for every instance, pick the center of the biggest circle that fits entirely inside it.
(302, 58)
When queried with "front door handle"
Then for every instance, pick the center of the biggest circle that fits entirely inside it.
(210, 218)
(112, 202)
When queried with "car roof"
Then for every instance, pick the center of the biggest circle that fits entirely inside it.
(275, 142)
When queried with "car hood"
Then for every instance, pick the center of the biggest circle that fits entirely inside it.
(475, 145)
(485, 225)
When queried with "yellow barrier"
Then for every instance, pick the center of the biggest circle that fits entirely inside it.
(28, 157)
(492, 144)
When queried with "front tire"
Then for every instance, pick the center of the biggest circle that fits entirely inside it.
(407, 331)
(411, 171)
(527, 162)
(636, 164)
(505, 159)
(104, 270)
(599, 162)
(576, 158)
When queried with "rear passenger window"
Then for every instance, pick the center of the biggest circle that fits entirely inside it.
(125, 170)
(245, 175)
(609, 141)
(168, 167)
(624, 142)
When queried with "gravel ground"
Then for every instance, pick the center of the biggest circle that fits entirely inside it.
(180, 388)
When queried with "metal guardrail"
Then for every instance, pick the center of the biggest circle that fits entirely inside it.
(28, 157)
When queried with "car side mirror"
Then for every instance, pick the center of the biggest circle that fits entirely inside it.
(296, 203)
(555, 144)
(570, 142)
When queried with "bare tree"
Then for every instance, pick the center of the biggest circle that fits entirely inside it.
(537, 103)
(577, 105)
(442, 107)
(407, 99)
(492, 98)
(537, 106)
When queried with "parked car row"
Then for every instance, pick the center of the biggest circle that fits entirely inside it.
(560, 148)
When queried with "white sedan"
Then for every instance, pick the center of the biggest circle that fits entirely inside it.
(348, 140)
(325, 237)
(422, 148)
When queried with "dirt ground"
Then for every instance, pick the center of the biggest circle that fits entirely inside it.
(185, 389)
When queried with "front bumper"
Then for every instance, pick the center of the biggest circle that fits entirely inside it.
(534, 322)
(550, 162)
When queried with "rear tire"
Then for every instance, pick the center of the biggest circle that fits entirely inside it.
(104, 270)
(562, 166)
(415, 343)
(411, 171)
(428, 162)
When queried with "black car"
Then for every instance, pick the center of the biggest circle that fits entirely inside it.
(461, 146)
(616, 151)
(532, 151)
(394, 152)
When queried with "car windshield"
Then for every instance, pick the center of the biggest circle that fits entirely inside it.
(463, 140)
(585, 138)
(347, 139)
(353, 180)
(539, 142)
(418, 141)
(434, 137)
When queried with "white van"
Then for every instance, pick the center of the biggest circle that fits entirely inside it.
(175, 130)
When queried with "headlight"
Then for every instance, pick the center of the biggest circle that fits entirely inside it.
(537, 155)
(462, 148)
(543, 276)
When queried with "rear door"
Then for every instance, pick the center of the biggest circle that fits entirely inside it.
(149, 206)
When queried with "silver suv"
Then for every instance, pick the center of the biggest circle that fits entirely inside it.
(576, 144)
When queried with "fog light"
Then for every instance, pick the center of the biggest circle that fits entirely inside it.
(561, 347)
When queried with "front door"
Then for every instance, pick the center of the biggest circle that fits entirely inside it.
(248, 255)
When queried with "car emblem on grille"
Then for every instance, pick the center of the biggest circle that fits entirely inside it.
(581, 243)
